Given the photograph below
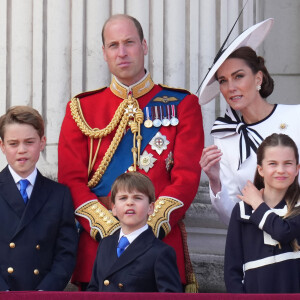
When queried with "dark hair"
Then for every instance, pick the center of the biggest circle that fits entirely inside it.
(292, 194)
(22, 115)
(136, 23)
(133, 181)
(255, 63)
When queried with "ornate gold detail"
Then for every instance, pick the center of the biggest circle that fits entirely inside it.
(283, 126)
(128, 113)
(165, 99)
(101, 220)
(160, 218)
(138, 89)
(192, 285)
(95, 133)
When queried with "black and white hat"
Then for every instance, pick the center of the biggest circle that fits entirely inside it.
(251, 37)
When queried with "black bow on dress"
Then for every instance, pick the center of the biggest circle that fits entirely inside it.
(231, 124)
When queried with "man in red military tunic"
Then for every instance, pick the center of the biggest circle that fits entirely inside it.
(133, 124)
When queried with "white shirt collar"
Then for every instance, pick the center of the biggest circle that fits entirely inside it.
(31, 178)
(133, 235)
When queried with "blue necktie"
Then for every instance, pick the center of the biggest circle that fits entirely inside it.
(23, 185)
(123, 243)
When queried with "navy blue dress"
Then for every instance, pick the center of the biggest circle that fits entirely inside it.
(259, 257)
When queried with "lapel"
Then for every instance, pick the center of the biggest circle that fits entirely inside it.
(38, 198)
(110, 250)
(10, 192)
(137, 248)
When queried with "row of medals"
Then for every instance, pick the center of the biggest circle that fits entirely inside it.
(162, 120)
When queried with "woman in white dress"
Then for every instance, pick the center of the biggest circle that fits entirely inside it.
(245, 83)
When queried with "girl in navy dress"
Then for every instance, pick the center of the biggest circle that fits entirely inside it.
(262, 251)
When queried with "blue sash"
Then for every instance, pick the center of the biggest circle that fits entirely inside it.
(122, 158)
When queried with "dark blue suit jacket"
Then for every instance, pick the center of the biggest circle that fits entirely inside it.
(38, 242)
(147, 265)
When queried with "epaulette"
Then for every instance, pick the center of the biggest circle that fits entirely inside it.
(89, 93)
(174, 89)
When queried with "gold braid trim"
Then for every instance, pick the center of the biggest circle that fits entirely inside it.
(129, 113)
(109, 153)
(95, 133)
(192, 285)
(101, 220)
(161, 215)
(191, 281)
(135, 126)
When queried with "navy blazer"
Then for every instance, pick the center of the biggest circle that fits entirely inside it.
(147, 265)
(38, 241)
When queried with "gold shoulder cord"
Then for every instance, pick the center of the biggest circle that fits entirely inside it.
(128, 113)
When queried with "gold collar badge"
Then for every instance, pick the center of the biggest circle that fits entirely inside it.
(139, 89)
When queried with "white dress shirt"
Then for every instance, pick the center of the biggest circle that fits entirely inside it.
(31, 178)
(133, 235)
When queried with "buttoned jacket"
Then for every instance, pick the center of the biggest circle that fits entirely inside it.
(147, 265)
(38, 241)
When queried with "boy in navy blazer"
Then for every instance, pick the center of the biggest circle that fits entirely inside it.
(38, 236)
(144, 263)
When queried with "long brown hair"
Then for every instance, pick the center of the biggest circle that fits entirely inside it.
(292, 195)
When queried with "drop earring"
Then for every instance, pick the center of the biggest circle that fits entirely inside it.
(258, 87)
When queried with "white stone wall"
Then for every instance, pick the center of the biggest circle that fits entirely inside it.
(283, 50)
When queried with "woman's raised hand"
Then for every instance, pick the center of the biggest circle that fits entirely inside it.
(210, 164)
